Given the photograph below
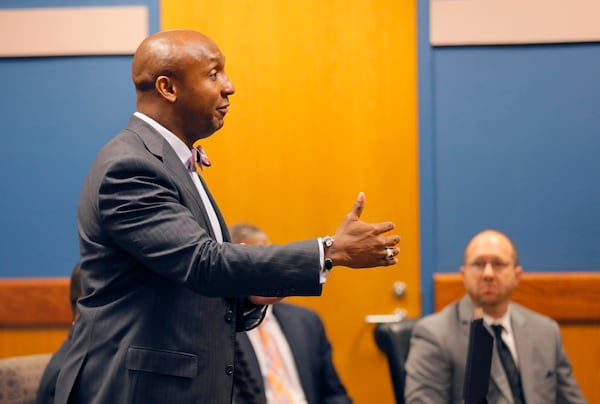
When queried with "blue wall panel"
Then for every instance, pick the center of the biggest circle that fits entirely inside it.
(55, 115)
(510, 139)
(517, 148)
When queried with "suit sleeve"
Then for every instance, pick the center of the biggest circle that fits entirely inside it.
(145, 214)
(568, 390)
(428, 373)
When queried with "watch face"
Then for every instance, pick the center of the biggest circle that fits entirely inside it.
(328, 241)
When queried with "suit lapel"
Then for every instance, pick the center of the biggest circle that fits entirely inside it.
(498, 376)
(524, 345)
(188, 186)
(224, 231)
(465, 315)
(161, 149)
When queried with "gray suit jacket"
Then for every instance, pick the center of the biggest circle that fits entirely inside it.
(435, 367)
(163, 299)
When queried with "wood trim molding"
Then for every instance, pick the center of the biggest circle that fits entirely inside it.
(563, 296)
(34, 302)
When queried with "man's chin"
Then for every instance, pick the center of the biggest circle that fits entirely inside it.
(488, 300)
(210, 132)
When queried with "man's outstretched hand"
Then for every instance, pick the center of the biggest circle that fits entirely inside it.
(359, 244)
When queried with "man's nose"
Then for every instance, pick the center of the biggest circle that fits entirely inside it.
(228, 88)
(488, 270)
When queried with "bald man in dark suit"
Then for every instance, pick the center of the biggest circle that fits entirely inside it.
(165, 291)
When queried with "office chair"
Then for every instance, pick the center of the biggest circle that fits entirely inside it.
(393, 339)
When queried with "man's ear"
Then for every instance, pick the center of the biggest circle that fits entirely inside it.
(518, 272)
(166, 88)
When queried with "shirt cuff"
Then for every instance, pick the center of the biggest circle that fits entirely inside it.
(324, 272)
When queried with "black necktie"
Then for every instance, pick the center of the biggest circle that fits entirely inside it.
(508, 363)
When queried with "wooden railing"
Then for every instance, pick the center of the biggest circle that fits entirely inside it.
(35, 315)
(571, 298)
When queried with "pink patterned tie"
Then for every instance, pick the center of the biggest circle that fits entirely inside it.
(199, 159)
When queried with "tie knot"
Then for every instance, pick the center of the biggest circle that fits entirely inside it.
(198, 159)
(497, 329)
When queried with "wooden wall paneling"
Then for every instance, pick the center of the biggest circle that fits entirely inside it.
(35, 315)
(565, 297)
(325, 107)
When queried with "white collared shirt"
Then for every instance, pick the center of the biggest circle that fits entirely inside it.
(507, 333)
(184, 154)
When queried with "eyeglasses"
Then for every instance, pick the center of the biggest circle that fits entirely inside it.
(496, 265)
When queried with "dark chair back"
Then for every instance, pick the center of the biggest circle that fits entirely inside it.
(393, 339)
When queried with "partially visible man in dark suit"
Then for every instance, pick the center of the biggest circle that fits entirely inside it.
(298, 334)
(164, 290)
(47, 387)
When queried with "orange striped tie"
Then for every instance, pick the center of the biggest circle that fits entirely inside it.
(276, 374)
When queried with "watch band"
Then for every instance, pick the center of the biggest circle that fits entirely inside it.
(328, 242)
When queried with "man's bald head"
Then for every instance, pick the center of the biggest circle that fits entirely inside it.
(164, 53)
(491, 271)
(246, 233)
(492, 236)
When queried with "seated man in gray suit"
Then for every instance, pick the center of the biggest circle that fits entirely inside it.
(298, 334)
(529, 364)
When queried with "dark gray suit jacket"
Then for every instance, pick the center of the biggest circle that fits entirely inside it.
(163, 299)
(312, 354)
(435, 368)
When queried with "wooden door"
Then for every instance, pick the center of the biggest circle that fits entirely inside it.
(325, 107)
